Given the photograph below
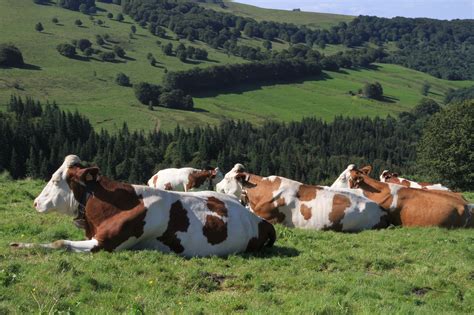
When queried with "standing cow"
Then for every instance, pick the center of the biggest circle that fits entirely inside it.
(121, 216)
(186, 179)
(390, 177)
(281, 200)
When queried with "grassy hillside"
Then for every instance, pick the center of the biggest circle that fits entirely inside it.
(88, 85)
(310, 19)
(389, 271)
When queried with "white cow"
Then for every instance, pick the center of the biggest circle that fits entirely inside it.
(186, 179)
(122, 216)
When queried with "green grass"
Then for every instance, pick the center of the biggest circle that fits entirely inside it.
(424, 271)
(310, 19)
(89, 86)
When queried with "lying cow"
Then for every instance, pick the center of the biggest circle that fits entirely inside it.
(121, 216)
(186, 179)
(281, 200)
(414, 207)
(390, 177)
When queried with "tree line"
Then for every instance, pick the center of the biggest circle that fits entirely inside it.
(442, 48)
(35, 139)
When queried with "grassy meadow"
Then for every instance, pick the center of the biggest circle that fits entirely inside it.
(88, 84)
(310, 19)
(406, 271)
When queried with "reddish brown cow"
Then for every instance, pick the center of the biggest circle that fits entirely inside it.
(415, 207)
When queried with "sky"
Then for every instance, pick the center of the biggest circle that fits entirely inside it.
(437, 9)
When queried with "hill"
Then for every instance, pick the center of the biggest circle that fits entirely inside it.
(310, 19)
(87, 84)
(389, 271)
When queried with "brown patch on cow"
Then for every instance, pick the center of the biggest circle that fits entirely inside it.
(197, 178)
(339, 204)
(178, 222)
(266, 237)
(306, 212)
(168, 186)
(155, 179)
(405, 183)
(306, 193)
(215, 230)
(217, 206)
(113, 214)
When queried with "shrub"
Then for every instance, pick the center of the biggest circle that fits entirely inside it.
(110, 15)
(168, 49)
(66, 50)
(39, 27)
(55, 20)
(176, 99)
(181, 54)
(99, 40)
(373, 90)
(122, 79)
(83, 44)
(133, 28)
(107, 56)
(88, 51)
(119, 51)
(10, 56)
(78, 22)
(120, 17)
(147, 93)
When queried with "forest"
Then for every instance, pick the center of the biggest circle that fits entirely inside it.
(444, 49)
(37, 137)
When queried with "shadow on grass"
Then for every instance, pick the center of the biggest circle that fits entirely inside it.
(270, 252)
(200, 110)
(26, 66)
(389, 99)
(242, 88)
(129, 58)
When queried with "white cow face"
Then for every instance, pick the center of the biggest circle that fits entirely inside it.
(56, 195)
(229, 186)
(343, 180)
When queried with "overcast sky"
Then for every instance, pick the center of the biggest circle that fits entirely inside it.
(437, 9)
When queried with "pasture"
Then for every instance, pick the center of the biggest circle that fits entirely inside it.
(396, 270)
(88, 85)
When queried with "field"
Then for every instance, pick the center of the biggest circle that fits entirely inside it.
(423, 271)
(88, 85)
(311, 19)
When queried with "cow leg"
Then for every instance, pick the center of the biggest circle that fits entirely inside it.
(75, 246)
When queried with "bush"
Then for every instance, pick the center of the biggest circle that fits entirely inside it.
(110, 15)
(181, 54)
(120, 17)
(83, 44)
(122, 79)
(119, 51)
(200, 54)
(147, 93)
(99, 40)
(176, 99)
(78, 22)
(39, 27)
(10, 56)
(66, 50)
(107, 56)
(55, 20)
(168, 49)
(373, 91)
(88, 51)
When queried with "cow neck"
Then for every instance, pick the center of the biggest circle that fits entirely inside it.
(377, 191)
(197, 178)
(109, 198)
(252, 188)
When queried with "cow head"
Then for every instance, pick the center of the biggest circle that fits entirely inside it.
(62, 193)
(387, 175)
(230, 185)
(357, 176)
(343, 180)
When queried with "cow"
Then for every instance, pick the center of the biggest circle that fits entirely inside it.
(186, 179)
(390, 177)
(121, 216)
(281, 200)
(229, 186)
(414, 207)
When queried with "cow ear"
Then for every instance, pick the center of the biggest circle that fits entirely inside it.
(242, 177)
(87, 175)
(366, 170)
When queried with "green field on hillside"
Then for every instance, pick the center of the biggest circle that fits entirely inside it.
(426, 271)
(88, 85)
(310, 19)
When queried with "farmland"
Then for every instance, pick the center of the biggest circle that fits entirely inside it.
(397, 270)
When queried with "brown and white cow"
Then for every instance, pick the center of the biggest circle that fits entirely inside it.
(415, 207)
(390, 177)
(186, 179)
(120, 216)
(281, 200)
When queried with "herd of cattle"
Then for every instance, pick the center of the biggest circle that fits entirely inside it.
(240, 214)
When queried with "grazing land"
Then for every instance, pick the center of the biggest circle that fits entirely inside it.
(396, 270)
(88, 85)
(310, 19)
